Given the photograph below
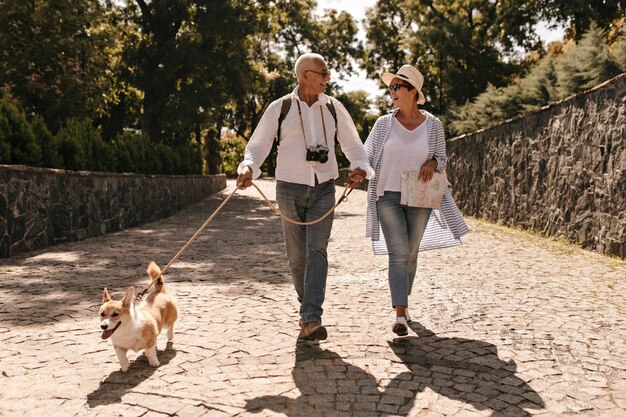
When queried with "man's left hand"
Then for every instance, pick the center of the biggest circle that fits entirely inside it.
(356, 177)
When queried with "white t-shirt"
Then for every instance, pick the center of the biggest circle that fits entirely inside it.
(405, 150)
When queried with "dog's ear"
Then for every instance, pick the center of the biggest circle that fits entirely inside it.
(105, 296)
(128, 297)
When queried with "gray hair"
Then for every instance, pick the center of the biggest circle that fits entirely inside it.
(304, 59)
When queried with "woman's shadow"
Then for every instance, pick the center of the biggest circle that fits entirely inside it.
(464, 370)
(118, 383)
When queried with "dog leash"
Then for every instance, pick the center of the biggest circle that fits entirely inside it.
(344, 197)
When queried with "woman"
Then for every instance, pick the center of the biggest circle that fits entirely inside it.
(408, 139)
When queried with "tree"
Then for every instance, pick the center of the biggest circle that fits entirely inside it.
(190, 60)
(580, 14)
(459, 45)
(284, 30)
(586, 65)
(564, 71)
(53, 57)
(388, 33)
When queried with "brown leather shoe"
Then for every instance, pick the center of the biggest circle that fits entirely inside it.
(312, 330)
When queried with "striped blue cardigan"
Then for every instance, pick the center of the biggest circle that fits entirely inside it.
(446, 225)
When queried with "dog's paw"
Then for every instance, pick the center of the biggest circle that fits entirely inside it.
(124, 368)
(154, 364)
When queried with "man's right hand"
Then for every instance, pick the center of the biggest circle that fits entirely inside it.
(244, 180)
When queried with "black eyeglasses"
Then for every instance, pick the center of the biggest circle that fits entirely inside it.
(324, 73)
(398, 86)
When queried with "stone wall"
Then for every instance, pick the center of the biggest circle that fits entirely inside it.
(41, 207)
(560, 170)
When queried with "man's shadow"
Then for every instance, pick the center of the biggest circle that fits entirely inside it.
(118, 383)
(327, 384)
(464, 370)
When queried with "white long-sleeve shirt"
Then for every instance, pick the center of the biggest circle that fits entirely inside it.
(291, 163)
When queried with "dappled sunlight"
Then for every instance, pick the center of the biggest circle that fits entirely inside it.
(203, 265)
(70, 256)
(234, 248)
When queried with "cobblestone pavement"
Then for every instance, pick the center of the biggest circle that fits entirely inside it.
(509, 324)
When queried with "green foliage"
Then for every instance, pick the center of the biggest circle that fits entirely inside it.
(54, 57)
(82, 148)
(554, 77)
(134, 152)
(233, 148)
(49, 147)
(358, 105)
(189, 159)
(79, 146)
(580, 14)
(619, 53)
(388, 37)
(460, 47)
(586, 65)
(17, 141)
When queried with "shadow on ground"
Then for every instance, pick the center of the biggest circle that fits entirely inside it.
(119, 383)
(66, 280)
(463, 370)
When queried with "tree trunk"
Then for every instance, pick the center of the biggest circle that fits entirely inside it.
(212, 151)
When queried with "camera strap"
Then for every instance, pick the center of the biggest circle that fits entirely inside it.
(286, 106)
(302, 125)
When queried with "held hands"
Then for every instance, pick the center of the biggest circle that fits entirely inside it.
(427, 170)
(356, 177)
(244, 180)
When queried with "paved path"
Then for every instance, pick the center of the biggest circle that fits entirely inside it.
(506, 325)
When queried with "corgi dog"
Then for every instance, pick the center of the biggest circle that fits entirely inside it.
(136, 327)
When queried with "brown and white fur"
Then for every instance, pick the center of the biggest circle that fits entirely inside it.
(136, 327)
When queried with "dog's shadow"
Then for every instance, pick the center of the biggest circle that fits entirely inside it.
(118, 383)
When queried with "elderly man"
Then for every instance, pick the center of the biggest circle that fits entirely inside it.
(306, 125)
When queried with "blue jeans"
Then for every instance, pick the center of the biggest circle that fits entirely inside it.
(306, 245)
(403, 228)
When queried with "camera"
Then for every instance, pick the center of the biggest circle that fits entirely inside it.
(317, 153)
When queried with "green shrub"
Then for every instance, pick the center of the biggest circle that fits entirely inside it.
(585, 65)
(17, 141)
(82, 148)
(49, 147)
(232, 151)
(134, 153)
(79, 146)
(190, 159)
(580, 67)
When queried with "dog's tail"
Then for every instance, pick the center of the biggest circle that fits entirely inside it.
(153, 272)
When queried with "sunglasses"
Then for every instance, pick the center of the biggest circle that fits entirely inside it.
(324, 74)
(398, 86)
